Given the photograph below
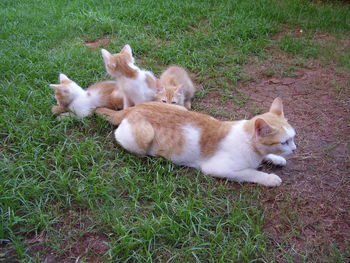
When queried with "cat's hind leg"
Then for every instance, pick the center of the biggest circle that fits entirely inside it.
(275, 159)
(135, 134)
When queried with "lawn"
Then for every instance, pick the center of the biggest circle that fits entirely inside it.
(69, 193)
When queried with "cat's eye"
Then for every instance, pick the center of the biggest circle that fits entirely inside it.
(164, 101)
(173, 102)
(285, 142)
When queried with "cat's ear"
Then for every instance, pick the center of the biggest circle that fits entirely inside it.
(159, 86)
(54, 86)
(277, 107)
(262, 128)
(180, 89)
(63, 78)
(127, 49)
(106, 55)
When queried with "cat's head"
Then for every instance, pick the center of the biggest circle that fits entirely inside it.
(66, 90)
(170, 94)
(120, 64)
(272, 134)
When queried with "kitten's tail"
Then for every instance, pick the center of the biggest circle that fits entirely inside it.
(114, 117)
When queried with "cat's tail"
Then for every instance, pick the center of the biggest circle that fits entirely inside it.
(114, 117)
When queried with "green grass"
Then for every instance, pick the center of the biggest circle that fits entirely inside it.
(151, 210)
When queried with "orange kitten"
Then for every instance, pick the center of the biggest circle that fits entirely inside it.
(231, 150)
(138, 85)
(73, 99)
(175, 87)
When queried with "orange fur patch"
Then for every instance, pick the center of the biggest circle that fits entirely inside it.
(110, 94)
(142, 130)
(120, 63)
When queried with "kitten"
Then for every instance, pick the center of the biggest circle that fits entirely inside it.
(73, 100)
(138, 85)
(175, 87)
(231, 150)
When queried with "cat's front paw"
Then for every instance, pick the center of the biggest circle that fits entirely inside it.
(272, 180)
(275, 159)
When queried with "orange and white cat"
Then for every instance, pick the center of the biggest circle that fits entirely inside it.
(175, 87)
(138, 85)
(231, 150)
(73, 100)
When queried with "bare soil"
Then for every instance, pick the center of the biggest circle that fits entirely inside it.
(97, 43)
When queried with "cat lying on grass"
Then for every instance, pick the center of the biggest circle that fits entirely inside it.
(138, 85)
(231, 150)
(175, 87)
(73, 100)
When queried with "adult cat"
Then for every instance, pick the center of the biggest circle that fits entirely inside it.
(231, 150)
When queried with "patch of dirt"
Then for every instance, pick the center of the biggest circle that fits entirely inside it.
(88, 247)
(7, 252)
(287, 31)
(310, 210)
(77, 243)
(100, 42)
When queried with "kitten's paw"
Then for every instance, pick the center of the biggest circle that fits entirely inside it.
(275, 159)
(272, 180)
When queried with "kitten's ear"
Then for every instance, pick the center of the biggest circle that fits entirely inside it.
(180, 88)
(63, 78)
(262, 128)
(159, 87)
(106, 55)
(54, 86)
(277, 107)
(127, 49)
